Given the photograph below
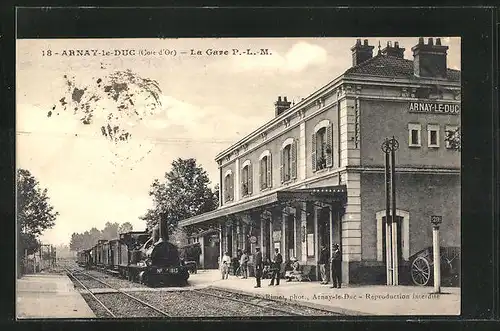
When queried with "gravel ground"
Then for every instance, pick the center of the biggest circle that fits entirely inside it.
(288, 306)
(96, 307)
(240, 308)
(123, 306)
(87, 281)
(114, 281)
(179, 304)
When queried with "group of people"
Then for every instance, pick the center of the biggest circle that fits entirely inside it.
(238, 263)
(335, 263)
(273, 267)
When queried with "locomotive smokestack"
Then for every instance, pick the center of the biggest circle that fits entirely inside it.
(162, 230)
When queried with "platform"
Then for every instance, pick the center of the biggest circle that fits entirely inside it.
(49, 296)
(351, 300)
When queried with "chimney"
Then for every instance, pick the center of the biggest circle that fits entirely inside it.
(361, 52)
(281, 106)
(161, 232)
(429, 60)
(395, 50)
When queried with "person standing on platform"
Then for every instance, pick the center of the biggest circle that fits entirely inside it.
(258, 266)
(335, 265)
(323, 262)
(278, 260)
(226, 261)
(236, 263)
(244, 265)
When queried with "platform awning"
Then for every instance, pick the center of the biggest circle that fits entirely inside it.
(329, 194)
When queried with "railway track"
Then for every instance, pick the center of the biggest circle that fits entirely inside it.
(125, 308)
(117, 300)
(287, 308)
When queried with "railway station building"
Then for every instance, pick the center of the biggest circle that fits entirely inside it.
(314, 174)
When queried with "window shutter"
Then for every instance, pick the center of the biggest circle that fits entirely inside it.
(293, 160)
(329, 144)
(250, 179)
(313, 151)
(261, 173)
(282, 174)
(242, 181)
(269, 171)
(226, 188)
(231, 187)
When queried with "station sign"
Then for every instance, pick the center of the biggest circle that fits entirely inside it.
(434, 108)
(436, 220)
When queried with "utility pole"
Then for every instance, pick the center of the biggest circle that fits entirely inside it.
(389, 147)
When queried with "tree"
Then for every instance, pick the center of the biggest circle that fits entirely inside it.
(184, 193)
(125, 227)
(34, 211)
(34, 214)
(110, 231)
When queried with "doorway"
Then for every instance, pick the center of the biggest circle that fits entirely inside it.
(324, 227)
(399, 242)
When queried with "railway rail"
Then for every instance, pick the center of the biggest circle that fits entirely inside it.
(116, 291)
(108, 301)
(288, 308)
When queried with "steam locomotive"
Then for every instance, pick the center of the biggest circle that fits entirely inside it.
(139, 257)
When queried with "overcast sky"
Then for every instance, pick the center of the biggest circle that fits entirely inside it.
(208, 102)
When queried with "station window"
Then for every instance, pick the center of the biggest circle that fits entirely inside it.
(288, 167)
(433, 135)
(322, 147)
(229, 187)
(414, 135)
(452, 137)
(246, 179)
(265, 172)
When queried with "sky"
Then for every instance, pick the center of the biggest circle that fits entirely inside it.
(208, 102)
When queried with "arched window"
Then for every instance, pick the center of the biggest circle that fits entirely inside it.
(265, 171)
(246, 179)
(288, 160)
(322, 146)
(228, 186)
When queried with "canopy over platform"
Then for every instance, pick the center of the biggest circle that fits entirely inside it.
(326, 195)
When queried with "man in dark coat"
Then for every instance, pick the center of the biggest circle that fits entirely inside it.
(258, 266)
(335, 266)
(323, 263)
(278, 260)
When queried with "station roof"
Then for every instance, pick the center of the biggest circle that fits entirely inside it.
(328, 194)
(392, 67)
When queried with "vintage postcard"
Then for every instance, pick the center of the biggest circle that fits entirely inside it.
(218, 177)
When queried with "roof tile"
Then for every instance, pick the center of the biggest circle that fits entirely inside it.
(390, 66)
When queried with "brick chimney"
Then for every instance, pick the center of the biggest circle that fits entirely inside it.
(429, 60)
(361, 52)
(395, 50)
(281, 105)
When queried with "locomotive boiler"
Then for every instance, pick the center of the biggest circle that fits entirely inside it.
(138, 256)
(158, 261)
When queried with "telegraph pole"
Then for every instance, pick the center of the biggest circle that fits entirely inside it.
(389, 147)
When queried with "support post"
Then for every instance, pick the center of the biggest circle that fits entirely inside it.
(331, 242)
(221, 247)
(437, 259)
(388, 235)
(270, 254)
(394, 222)
(316, 240)
(436, 221)
(262, 225)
